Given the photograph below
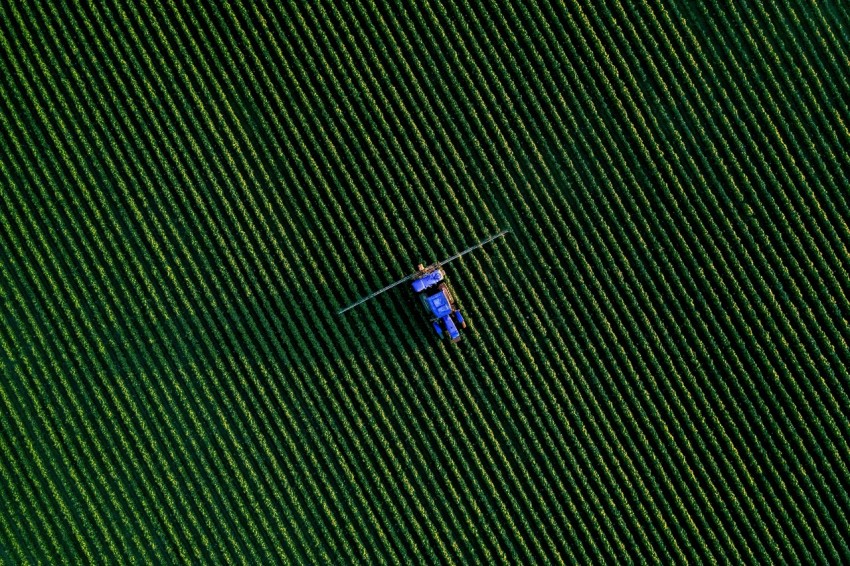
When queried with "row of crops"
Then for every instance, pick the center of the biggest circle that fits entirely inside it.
(657, 363)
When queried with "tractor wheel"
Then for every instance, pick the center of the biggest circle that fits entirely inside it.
(461, 322)
(438, 330)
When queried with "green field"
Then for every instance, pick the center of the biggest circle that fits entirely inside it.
(657, 366)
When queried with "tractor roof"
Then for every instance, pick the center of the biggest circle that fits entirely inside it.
(439, 304)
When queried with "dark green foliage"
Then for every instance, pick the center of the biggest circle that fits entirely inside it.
(657, 363)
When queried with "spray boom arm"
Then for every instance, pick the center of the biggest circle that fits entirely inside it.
(414, 274)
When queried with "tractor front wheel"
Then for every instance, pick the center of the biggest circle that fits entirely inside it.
(461, 322)
(438, 329)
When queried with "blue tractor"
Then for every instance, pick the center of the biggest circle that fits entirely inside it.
(432, 288)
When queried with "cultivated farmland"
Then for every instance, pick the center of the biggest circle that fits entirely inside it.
(657, 362)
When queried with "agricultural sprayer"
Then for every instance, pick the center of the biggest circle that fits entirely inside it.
(435, 295)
